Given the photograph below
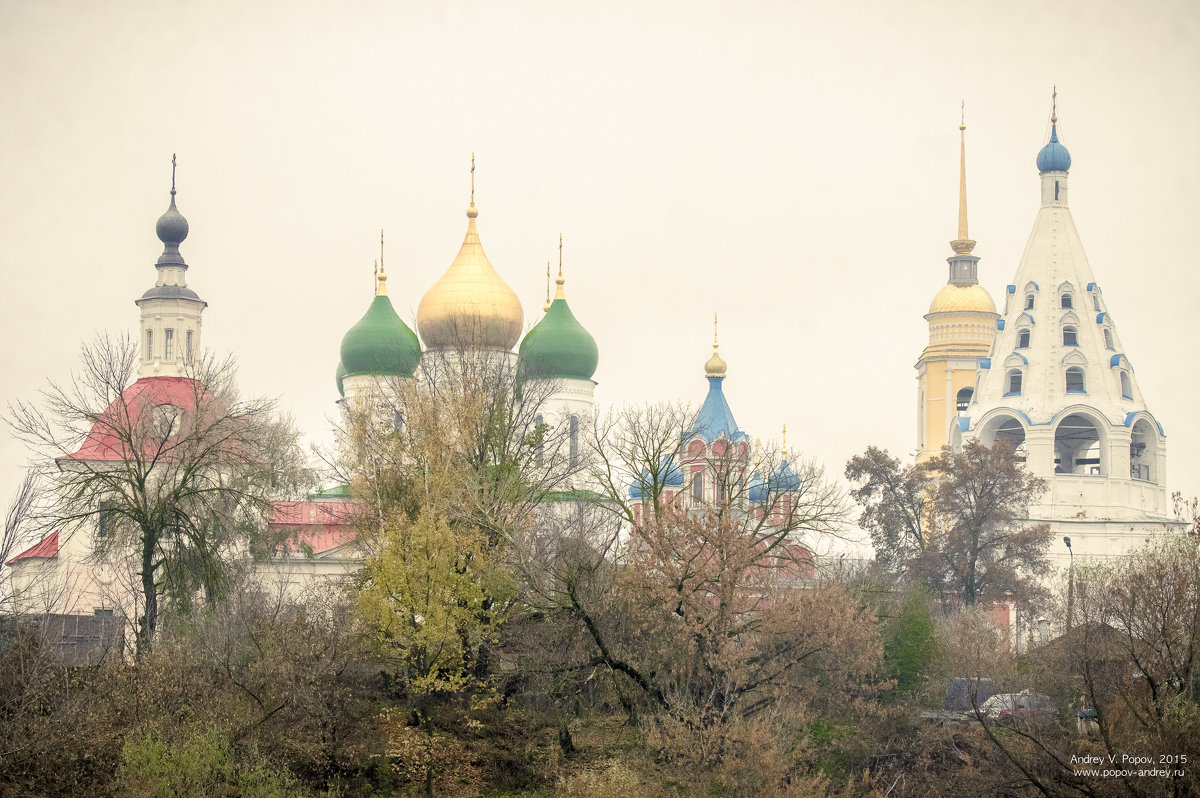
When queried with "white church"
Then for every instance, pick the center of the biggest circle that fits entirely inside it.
(1048, 374)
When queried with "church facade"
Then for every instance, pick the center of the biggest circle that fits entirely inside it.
(1053, 380)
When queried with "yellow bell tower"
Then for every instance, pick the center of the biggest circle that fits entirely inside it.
(962, 323)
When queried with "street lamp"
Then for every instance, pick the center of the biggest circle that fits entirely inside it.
(1070, 584)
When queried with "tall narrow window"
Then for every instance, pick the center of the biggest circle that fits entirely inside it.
(1126, 385)
(1029, 301)
(1075, 380)
(1070, 336)
(1056, 191)
(1023, 339)
(1067, 301)
(574, 439)
(539, 432)
(187, 352)
(168, 344)
(698, 486)
(1014, 383)
(1096, 302)
(149, 344)
(104, 520)
(1108, 340)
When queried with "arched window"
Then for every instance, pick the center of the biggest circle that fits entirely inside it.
(963, 400)
(1077, 447)
(1067, 301)
(1023, 339)
(574, 439)
(1029, 301)
(1075, 380)
(1006, 429)
(1014, 383)
(188, 347)
(1126, 385)
(149, 344)
(698, 485)
(539, 432)
(1070, 336)
(1143, 447)
(1108, 339)
(168, 344)
(1096, 302)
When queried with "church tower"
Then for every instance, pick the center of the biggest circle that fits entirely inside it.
(170, 311)
(1059, 386)
(962, 323)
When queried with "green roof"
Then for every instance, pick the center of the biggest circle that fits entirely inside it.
(558, 346)
(336, 492)
(380, 343)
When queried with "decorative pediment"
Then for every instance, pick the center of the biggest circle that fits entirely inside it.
(1074, 358)
(1015, 360)
(1069, 318)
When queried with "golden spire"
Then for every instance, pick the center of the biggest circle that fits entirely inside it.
(715, 367)
(963, 244)
(380, 274)
(783, 446)
(546, 307)
(558, 281)
(471, 211)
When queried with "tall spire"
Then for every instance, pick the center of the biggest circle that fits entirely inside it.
(715, 367)
(380, 272)
(559, 280)
(471, 211)
(963, 244)
(546, 307)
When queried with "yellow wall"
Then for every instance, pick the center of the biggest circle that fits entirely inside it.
(956, 342)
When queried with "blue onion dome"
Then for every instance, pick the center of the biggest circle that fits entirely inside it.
(339, 376)
(380, 343)
(668, 471)
(1054, 157)
(782, 480)
(171, 229)
(558, 345)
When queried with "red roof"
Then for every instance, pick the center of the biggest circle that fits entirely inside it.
(323, 525)
(46, 548)
(120, 421)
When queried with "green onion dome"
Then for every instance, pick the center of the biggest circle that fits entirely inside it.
(341, 372)
(380, 343)
(559, 346)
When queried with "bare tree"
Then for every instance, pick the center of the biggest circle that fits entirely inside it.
(956, 521)
(175, 473)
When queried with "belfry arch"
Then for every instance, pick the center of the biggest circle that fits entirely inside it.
(1079, 443)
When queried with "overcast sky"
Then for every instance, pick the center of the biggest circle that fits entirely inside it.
(791, 165)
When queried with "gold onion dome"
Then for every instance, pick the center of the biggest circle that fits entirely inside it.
(957, 297)
(470, 305)
(714, 366)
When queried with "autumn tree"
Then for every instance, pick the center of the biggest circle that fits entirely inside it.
(956, 521)
(173, 474)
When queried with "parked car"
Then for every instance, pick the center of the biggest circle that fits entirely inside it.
(1023, 707)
